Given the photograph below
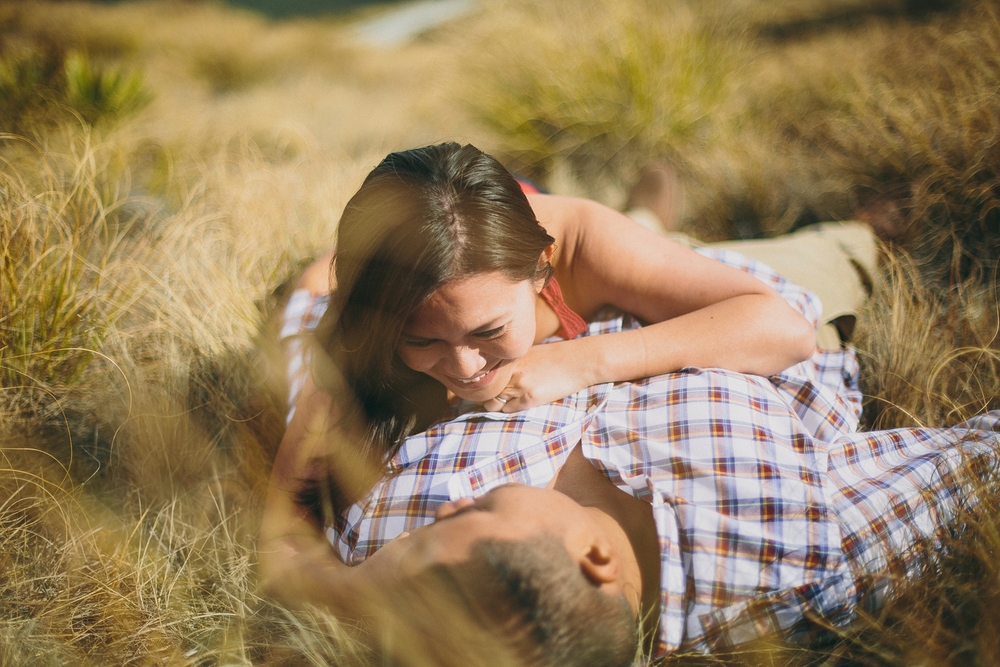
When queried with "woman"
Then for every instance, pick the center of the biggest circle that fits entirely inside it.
(446, 279)
(432, 227)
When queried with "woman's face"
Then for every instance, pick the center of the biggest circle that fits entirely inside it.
(468, 333)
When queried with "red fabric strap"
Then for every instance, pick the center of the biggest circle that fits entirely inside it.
(571, 325)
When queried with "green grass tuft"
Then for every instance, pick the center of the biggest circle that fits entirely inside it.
(98, 93)
(603, 86)
(41, 86)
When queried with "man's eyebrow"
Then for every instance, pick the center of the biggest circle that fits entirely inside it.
(459, 512)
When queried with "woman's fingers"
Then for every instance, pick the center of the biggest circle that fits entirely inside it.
(495, 404)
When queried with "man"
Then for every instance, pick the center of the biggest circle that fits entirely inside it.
(708, 507)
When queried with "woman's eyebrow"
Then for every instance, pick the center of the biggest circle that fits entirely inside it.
(495, 323)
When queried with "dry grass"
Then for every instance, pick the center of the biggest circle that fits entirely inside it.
(929, 359)
(621, 83)
(140, 391)
(776, 114)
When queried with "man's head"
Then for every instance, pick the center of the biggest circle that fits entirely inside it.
(520, 576)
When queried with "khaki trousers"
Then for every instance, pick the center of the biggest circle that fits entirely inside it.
(834, 260)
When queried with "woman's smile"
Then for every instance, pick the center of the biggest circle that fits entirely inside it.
(481, 380)
(469, 331)
(476, 379)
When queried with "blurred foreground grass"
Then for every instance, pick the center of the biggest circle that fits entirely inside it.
(167, 166)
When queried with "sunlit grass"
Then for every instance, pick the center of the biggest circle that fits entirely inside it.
(930, 359)
(42, 85)
(144, 249)
(602, 87)
(60, 293)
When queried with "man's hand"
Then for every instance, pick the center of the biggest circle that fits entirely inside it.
(545, 374)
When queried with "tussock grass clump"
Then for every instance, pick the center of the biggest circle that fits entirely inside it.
(887, 118)
(65, 283)
(926, 137)
(43, 84)
(929, 359)
(139, 420)
(750, 188)
(139, 411)
(602, 86)
(97, 93)
(108, 588)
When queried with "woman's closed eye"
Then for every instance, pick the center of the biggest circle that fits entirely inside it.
(490, 334)
(423, 343)
(419, 343)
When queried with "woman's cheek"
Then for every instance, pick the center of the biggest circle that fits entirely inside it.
(524, 345)
(503, 377)
(416, 360)
(515, 346)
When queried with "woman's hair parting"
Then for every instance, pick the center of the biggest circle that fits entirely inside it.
(421, 218)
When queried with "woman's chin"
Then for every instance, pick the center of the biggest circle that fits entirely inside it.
(480, 395)
(487, 391)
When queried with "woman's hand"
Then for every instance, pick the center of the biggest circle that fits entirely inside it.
(545, 374)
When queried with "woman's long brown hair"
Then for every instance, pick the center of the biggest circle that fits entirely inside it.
(421, 218)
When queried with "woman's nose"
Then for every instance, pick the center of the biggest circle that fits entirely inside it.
(466, 362)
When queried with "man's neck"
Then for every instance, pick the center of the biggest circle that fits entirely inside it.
(631, 525)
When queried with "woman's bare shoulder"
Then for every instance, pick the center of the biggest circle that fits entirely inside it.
(318, 276)
(562, 218)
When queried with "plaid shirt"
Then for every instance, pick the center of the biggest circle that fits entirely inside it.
(770, 509)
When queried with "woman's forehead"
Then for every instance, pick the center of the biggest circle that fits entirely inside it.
(470, 302)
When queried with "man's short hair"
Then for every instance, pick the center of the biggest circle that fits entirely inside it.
(520, 603)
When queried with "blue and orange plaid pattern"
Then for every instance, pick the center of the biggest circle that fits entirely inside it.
(772, 511)
(302, 313)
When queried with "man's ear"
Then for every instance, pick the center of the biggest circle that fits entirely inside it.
(599, 564)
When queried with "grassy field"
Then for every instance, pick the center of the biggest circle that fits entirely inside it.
(165, 167)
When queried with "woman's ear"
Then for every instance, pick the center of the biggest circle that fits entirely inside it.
(544, 267)
(546, 257)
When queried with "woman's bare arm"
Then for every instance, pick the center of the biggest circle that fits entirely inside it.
(318, 276)
(297, 564)
(701, 312)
